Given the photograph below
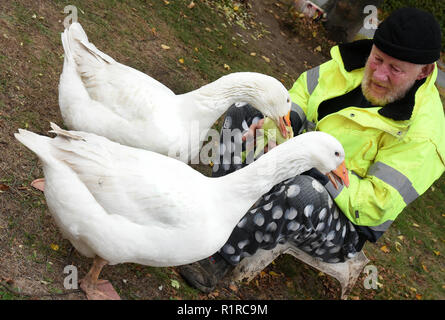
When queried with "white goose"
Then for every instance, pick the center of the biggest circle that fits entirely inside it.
(131, 205)
(99, 95)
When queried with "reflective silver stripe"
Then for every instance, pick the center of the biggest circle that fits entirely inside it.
(295, 107)
(395, 179)
(382, 227)
(332, 191)
(312, 79)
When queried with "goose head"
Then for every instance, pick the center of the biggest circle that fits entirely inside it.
(270, 97)
(327, 155)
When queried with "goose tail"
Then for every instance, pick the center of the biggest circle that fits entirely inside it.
(38, 144)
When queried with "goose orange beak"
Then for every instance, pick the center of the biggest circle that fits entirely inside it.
(282, 125)
(340, 174)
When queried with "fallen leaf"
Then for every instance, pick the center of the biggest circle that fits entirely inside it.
(166, 2)
(425, 268)
(181, 61)
(385, 249)
(3, 187)
(208, 29)
(233, 287)
(402, 238)
(191, 5)
(54, 246)
(266, 59)
(398, 246)
(253, 54)
(165, 47)
(437, 253)
(226, 66)
(273, 273)
(175, 283)
(416, 225)
(418, 296)
(318, 49)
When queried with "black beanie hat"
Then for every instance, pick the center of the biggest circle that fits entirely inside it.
(411, 35)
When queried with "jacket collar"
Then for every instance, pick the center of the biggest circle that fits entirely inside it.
(354, 56)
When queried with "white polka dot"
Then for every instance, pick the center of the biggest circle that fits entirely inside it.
(308, 210)
(226, 166)
(320, 227)
(277, 212)
(322, 214)
(291, 213)
(320, 251)
(242, 223)
(255, 120)
(293, 191)
(337, 227)
(258, 219)
(266, 198)
(245, 254)
(334, 260)
(330, 202)
(235, 258)
(268, 206)
(229, 249)
(215, 167)
(307, 248)
(279, 191)
(343, 233)
(317, 186)
(329, 219)
(259, 236)
(331, 235)
(267, 238)
(244, 125)
(293, 226)
(352, 255)
(243, 243)
(237, 160)
(335, 213)
(253, 210)
(271, 227)
(335, 249)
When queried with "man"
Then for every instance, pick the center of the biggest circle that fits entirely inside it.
(378, 98)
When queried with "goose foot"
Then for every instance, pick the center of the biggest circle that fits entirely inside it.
(94, 288)
(39, 184)
(101, 290)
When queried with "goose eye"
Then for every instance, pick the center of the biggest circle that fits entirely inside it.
(337, 153)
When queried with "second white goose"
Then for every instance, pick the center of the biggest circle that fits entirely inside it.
(131, 205)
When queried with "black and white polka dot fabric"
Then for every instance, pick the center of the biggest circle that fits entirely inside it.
(298, 210)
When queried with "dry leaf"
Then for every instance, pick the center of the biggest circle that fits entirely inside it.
(55, 247)
(165, 47)
(253, 54)
(424, 268)
(191, 5)
(272, 273)
(226, 66)
(181, 61)
(208, 29)
(416, 225)
(318, 49)
(398, 246)
(166, 2)
(3, 187)
(233, 287)
(385, 249)
(266, 59)
(418, 296)
(235, 8)
(437, 253)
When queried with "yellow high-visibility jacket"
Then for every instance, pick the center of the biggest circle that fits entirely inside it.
(390, 162)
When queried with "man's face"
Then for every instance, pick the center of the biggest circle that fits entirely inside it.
(387, 79)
